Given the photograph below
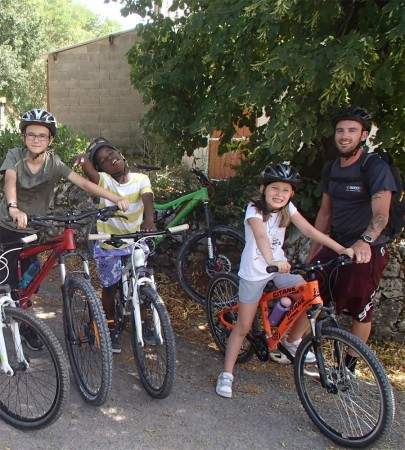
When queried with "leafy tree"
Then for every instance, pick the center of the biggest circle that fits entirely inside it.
(218, 63)
(24, 36)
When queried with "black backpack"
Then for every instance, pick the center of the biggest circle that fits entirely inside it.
(396, 221)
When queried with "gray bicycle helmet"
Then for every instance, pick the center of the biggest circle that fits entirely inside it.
(96, 145)
(353, 113)
(280, 172)
(38, 117)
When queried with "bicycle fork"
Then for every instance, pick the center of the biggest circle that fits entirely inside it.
(6, 300)
(141, 280)
(316, 330)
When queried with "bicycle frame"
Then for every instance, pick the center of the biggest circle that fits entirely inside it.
(309, 295)
(134, 276)
(61, 246)
(193, 199)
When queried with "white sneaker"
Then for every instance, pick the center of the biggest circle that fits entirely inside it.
(280, 358)
(224, 384)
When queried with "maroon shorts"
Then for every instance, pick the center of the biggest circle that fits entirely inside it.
(354, 286)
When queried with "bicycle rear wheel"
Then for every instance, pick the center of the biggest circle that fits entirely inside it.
(359, 408)
(155, 360)
(193, 266)
(88, 340)
(222, 293)
(34, 396)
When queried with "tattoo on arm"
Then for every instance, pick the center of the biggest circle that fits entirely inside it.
(379, 220)
(378, 223)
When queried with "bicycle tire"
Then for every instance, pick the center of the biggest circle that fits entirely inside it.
(156, 362)
(34, 397)
(361, 409)
(223, 293)
(192, 265)
(87, 340)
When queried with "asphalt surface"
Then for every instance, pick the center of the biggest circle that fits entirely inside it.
(265, 411)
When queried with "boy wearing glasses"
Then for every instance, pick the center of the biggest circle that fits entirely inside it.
(30, 176)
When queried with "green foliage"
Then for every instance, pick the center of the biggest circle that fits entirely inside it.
(67, 143)
(30, 28)
(9, 138)
(219, 63)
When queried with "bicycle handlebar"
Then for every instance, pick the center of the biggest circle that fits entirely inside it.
(202, 178)
(137, 235)
(103, 214)
(340, 260)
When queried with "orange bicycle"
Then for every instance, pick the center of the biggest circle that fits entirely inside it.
(352, 409)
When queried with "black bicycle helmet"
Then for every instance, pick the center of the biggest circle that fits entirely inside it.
(353, 113)
(94, 146)
(39, 117)
(280, 172)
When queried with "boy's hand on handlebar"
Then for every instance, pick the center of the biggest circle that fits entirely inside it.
(19, 217)
(122, 204)
(148, 226)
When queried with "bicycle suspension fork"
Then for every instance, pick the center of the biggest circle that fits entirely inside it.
(316, 331)
(209, 231)
(6, 300)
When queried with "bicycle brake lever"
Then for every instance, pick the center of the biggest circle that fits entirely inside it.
(116, 243)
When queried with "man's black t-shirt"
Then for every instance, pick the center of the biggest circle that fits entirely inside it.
(351, 200)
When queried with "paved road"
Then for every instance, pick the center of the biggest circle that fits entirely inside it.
(264, 413)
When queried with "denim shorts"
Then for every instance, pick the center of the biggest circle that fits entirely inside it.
(251, 291)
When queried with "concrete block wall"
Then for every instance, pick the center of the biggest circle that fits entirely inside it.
(89, 89)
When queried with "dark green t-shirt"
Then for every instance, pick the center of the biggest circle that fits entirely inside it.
(34, 190)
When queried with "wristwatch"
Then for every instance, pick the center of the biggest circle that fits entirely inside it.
(12, 205)
(367, 238)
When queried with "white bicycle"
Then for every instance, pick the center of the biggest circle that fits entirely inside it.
(137, 300)
(34, 385)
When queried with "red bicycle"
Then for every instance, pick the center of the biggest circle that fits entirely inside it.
(85, 325)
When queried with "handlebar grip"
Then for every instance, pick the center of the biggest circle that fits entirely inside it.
(179, 228)
(99, 237)
(30, 238)
(271, 269)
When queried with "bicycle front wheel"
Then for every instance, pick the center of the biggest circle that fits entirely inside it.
(156, 359)
(222, 294)
(88, 340)
(34, 396)
(358, 408)
(195, 268)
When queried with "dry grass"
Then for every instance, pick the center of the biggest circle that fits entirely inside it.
(189, 321)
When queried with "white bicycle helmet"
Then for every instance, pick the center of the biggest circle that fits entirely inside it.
(39, 117)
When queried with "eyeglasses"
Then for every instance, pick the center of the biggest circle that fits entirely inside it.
(42, 137)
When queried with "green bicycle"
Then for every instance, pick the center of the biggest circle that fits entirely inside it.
(206, 251)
